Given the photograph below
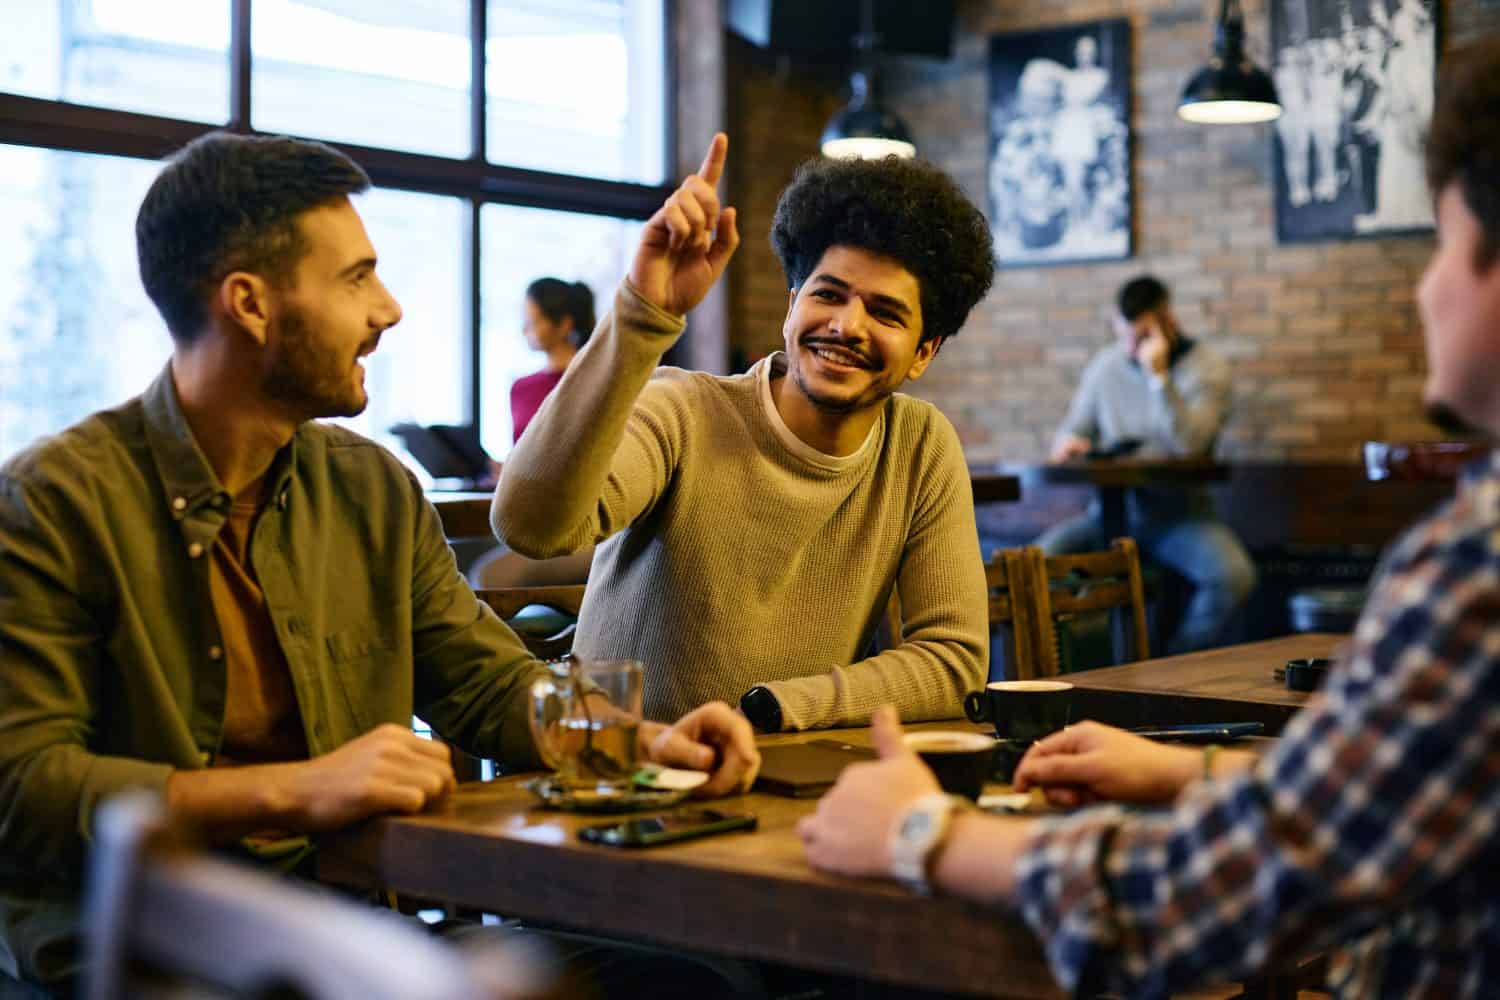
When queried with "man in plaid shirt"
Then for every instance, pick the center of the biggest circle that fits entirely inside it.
(1372, 829)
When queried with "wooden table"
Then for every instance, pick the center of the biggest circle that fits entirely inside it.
(1230, 684)
(747, 895)
(1111, 477)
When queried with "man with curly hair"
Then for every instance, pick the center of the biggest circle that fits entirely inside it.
(1371, 828)
(751, 528)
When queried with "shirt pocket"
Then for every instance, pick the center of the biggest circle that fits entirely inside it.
(362, 658)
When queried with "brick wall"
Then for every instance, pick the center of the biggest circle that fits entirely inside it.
(1325, 337)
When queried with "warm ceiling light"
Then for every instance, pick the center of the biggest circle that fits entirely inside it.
(865, 129)
(1230, 90)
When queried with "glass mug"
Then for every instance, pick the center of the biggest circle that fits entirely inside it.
(585, 720)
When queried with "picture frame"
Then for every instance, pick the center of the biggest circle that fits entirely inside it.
(1356, 80)
(1060, 144)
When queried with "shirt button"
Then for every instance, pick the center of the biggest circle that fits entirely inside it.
(215, 652)
(178, 503)
(195, 550)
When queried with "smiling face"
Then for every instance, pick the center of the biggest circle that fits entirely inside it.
(853, 333)
(1459, 303)
(329, 315)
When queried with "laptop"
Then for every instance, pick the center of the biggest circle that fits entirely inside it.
(806, 770)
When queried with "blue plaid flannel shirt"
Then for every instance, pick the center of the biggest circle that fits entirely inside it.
(1371, 830)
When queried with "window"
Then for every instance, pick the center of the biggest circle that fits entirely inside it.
(542, 164)
(77, 332)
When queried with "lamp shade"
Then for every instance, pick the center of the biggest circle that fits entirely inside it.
(1229, 93)
(866, 130)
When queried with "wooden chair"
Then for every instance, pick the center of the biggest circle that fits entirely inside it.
(1006, 580)
(159, 917)
(547, 636)
(1063, 586)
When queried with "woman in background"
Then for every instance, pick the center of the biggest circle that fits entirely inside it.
(557, 320)
(559, 316)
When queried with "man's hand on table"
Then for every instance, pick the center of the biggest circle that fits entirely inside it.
(713, 738)
(850, 833)
(1090, 762)
(1069, 447)
(389, 769)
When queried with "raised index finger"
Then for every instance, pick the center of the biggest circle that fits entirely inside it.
(713, 163)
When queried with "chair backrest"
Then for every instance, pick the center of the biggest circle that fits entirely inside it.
(1065, 585)
(547, 636)
(158, 913)
(1008, 577)
(1004, 577)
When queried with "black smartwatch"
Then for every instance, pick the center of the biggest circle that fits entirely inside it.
(762, 709)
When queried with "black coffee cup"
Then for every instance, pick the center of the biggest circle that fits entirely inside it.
(1022, 711)
(961, 760)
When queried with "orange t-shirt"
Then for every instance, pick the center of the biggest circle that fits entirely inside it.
(262, 721)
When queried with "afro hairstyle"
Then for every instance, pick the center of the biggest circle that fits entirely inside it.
(907, 210)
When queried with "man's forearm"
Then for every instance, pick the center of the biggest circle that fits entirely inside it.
(978, 858)
(226, 803)
(547, 502)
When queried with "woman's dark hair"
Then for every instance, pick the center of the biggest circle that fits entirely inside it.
(907, 210)
(557, 298)
(228, 203)
(1463, 141)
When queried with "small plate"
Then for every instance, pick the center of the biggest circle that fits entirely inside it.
(556, 795)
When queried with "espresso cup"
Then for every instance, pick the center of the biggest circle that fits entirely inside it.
(961, 760)
(1022, 711)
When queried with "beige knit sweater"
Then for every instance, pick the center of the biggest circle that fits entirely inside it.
(738, 555)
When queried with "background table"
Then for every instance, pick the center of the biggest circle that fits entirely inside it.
(1111, 477)
(748, 895)
(1230, 684)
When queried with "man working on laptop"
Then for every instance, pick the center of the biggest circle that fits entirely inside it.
(752, 528)
(207, 592)
(1372, 827)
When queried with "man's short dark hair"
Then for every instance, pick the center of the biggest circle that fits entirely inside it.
(1141, 295)
(907, 210)
(1463, 141)
(228, 203)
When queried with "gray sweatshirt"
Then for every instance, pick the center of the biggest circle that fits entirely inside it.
(1176, 416)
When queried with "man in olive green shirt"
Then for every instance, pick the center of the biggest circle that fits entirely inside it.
(124, 652)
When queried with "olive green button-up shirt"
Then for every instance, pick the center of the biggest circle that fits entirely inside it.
(111, 668)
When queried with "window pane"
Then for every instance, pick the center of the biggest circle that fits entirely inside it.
(417, 373)
(167, 57)
(578, 87)
(380, 73)
(521, 245)
(77, 332)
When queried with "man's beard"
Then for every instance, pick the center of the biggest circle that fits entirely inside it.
(308, 377)
(829, 403)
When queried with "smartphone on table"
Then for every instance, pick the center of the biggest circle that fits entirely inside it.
(667, 828)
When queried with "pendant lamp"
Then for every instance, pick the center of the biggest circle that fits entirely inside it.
(864, 128)
(1230, 90)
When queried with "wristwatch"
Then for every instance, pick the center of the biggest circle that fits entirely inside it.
(918, 833)
(762, 709)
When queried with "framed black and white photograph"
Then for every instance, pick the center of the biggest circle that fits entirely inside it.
(1059, 170)
(1356, 83)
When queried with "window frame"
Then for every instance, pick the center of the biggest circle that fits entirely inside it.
(79, 128)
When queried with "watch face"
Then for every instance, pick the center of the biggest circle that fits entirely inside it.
(916, 825)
